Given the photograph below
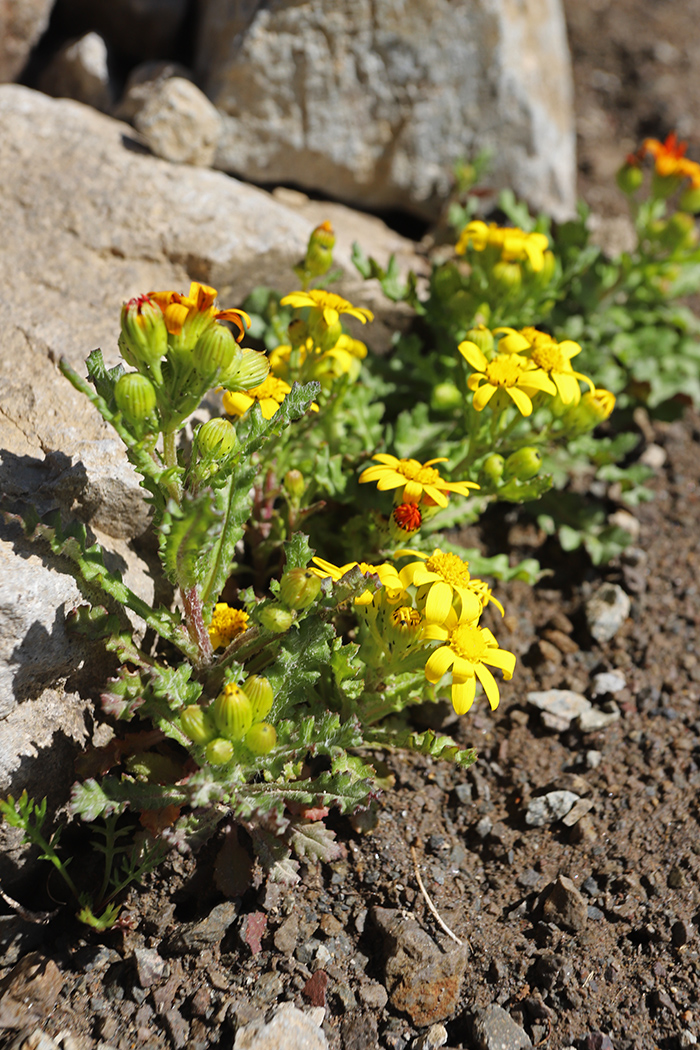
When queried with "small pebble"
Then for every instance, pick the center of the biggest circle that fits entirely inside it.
(606, 611)
(547, 809)
(607, 682)
(593, 759)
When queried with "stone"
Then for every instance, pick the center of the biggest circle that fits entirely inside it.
(80, 70)
(422, 981)
(599, 717)
(378, 101)
(29, 991)
(435, 1037)
(288, 1029)
(559, 707)
(140, 84)
(194, 936)
(606, 611)
(22, 22)
(547, 809)
(150, 967)
(178, 122)
(607, 682)
(494, 1029)
(565, 906)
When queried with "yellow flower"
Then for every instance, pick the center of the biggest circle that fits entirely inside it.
(329, 305)
(467, 650)
(314, 363)
(419, 479)
(552, 357)
(507, 374)
(195, 312)
(226, 624)
(439, 578)
(388, 577)
(269, 396)
(514, 244)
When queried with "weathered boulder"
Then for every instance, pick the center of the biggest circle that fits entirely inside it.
(21, 24)
(80, 70)
(375, 102)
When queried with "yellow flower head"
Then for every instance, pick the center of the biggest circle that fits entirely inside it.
(552, 357)
(467, 650)
(419, 480)
(226, 624)
(509, 375)
(388, 577)
(269, 395)
(314, 363)
(514, 244)
(439, 579)
(188, 315)
(328, 305)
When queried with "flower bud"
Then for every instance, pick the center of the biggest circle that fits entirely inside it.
(197, 724)
(299, 588)
(276, 618)
(664, 186)
(259, 692)
(261, 738)
(216, 437)
(405, 521)
(629, 178)
(678, 232)
(215, 351)
(250, 370)
(483, 337)
(144, 333)
(523, 464)
(493, 467)
(690, 200)
(319, 253)
(219, 752)
(298, 332)
(594, 407)
(445, 397)
(508, 276)
(403, 627)
(294, 483)
(233, 713)
(135, 396)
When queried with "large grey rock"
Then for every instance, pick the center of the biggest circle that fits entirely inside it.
(375, 102)
(21, 24)
(288, 1029)
(179, 123)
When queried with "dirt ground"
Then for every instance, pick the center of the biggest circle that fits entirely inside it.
(580, 934)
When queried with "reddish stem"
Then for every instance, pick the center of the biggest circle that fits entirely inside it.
(195, 623)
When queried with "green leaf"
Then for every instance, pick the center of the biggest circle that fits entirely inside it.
(313, 840)
(427, 743)
(297, 551)
(186, 534)
(91, 800)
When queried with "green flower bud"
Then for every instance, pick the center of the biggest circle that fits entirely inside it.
(297, 331)
(493, 468)
(144, 333)
(250, 370)
(508, 276)
(679, 231)
(261, 738)
(523, 464)
(276, 618)
(219, 752)
(319, 253)
(664, 186)
(259, 692)
(690, 200)
(629, 178)
(233, 713)
(445, 397)
(483, 337)
(294, 483)
(216, 437)
(215, 351)
(594, 407)
(299, 588)
(197, 724)
(135, 396)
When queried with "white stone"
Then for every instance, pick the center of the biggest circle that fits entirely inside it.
(559, 707)
(288, 1029)
(80, 70)
(606, 611)
(375, 102)
(179, 123)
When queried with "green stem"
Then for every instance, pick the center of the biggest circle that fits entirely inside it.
(170, 460)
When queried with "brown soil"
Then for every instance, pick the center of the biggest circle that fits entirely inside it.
(624, 970)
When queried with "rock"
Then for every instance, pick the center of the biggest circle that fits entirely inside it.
(373, 994)
(376, 102)
(599, 718)
(179, 123)
(79, 70)
(150, 967)
(194, 936)
(22, 22)
(593, 759)
(140, 85)
(653, 456)
(422, 981)
(547, 809)
(578, 810)
(622, 519)
(607, 682)
(29, 991)
(598, 1041)
(288, 1029)
(559, 707)
(435, 1037)
(494, 1029)
(359, 1031)
(606, 611)
(565, 906)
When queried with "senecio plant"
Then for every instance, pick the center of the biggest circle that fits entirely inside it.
(302, 532)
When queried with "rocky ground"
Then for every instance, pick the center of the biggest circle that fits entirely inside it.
(564, 863)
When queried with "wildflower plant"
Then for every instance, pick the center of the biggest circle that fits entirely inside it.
(303, 532)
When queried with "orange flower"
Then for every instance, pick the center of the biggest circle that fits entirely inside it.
(670, 160)
(195, 312)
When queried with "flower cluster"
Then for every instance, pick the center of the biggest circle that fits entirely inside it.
(671, 170)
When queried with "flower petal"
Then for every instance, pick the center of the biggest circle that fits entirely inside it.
(463, 695)
(522, 401)
(439, 602)
(489, 684)
(439, 662)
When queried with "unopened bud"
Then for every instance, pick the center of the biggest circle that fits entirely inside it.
(299, 588)
(445, 397)
(629, 178)
(507, 275)
(276, 618)
(294, 483)
(144, 333)
(216, 437)
(483, 337)
(197, 724)
(594, 407)
(135, 396)
(679, 231)
(233, 713)
(250, 370)
(259, 692)
(215, 351)
(405, 521)
(319, 253)
(261, 738)
(493, 467)
(523, 464)
(690, 200)
(219, 752)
